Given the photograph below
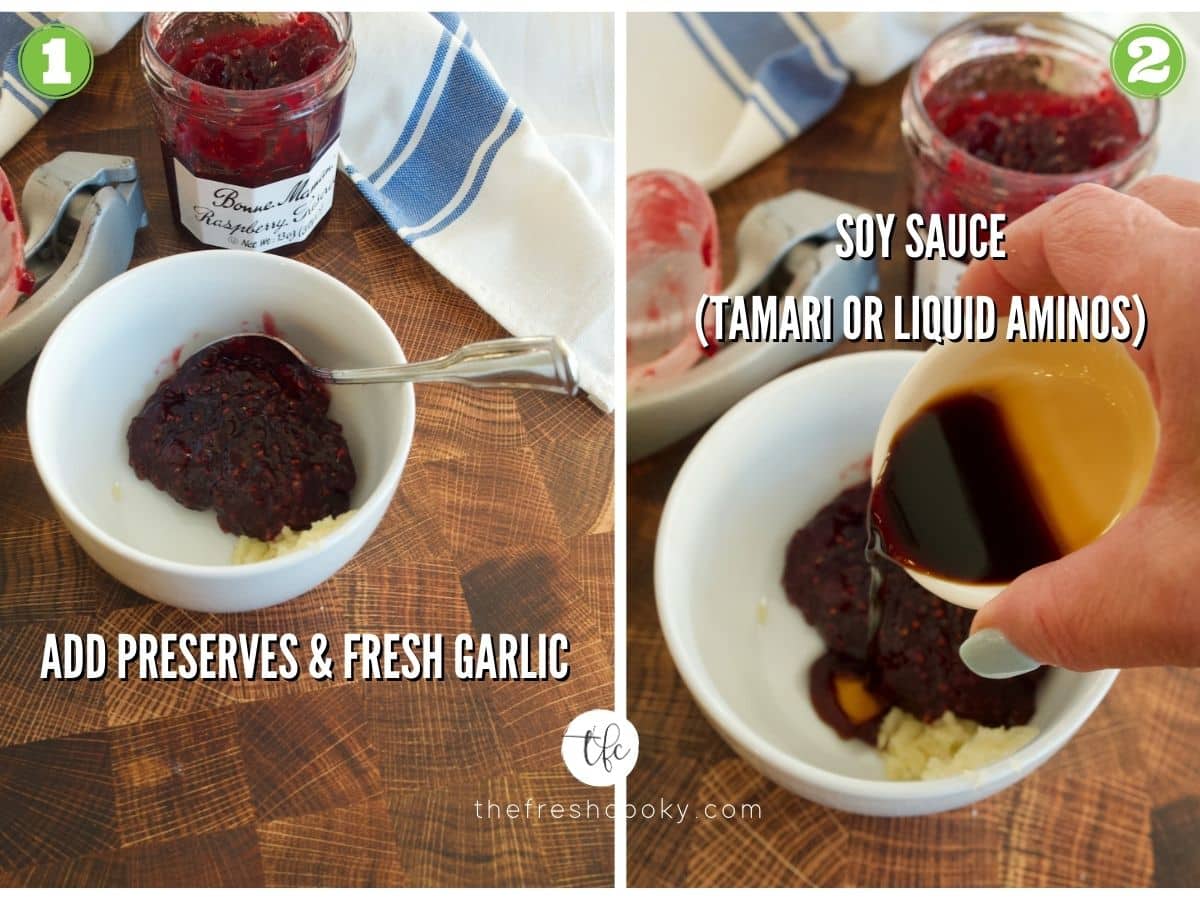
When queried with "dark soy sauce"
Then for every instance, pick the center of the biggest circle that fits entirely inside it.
(875, 585)
(954, 499)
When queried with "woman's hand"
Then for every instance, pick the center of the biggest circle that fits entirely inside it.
(1132, 597)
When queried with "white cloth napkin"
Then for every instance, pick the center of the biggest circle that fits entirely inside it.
(458, 169)
(457, 164)
(713, 94)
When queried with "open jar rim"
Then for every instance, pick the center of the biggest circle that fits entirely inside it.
(940, 143)
(275, 103)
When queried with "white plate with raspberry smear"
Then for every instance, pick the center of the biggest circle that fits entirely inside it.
(783, 246)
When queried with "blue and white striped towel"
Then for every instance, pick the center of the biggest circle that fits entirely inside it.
(455, 166)
(20, 108)
(713, 94)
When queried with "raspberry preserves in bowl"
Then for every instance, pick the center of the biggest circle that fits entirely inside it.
(243, 427)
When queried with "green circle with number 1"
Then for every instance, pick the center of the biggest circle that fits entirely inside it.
(56, 61)
(1147, 61)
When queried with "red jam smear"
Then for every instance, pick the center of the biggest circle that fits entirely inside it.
(999, 111)
(248, 56)
(22, 280)
(670, 216)
(243, 428)
(240, 53)
(912, 660)
(26, 283)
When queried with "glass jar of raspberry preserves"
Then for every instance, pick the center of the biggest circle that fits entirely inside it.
(1004, 112)
(249, 112)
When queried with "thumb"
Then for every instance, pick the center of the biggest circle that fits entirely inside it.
(1124, 600)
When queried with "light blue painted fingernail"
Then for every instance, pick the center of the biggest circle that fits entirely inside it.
(989, 654)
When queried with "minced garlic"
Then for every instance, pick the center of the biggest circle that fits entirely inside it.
(918, 751)
(252, 550)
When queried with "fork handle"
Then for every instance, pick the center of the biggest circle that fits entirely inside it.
(539, 363)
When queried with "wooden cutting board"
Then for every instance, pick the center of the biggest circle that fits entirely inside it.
(1119, 805)
(503, 522)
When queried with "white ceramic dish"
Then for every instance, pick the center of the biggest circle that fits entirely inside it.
(108, 355)
(763, 470)
(663, 411)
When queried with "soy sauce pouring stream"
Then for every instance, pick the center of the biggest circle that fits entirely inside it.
(537, 363)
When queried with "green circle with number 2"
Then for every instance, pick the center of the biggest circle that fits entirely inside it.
(1147, 61)
(55, 60)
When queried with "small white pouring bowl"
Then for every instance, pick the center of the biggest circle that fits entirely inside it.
(762, 471)
(108, 355)
(946, 367)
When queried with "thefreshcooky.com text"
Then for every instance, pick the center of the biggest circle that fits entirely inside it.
(662, 809)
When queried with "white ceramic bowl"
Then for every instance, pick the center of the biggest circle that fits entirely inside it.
(109, 354)
(762, 471)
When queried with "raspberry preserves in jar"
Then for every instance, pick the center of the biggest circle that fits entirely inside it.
(1005, 112)
(1029, 128)
(249, 110)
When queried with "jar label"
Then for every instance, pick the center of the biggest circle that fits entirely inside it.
(259, 218)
